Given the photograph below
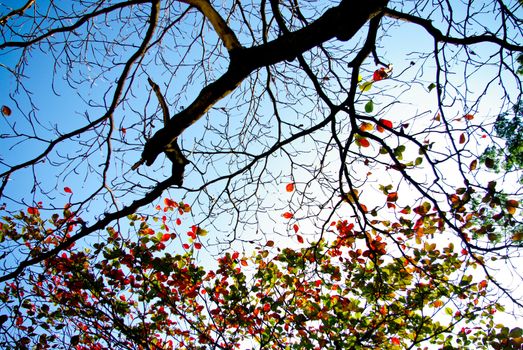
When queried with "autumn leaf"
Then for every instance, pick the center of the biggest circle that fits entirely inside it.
(287, 215)
(366, 126)
(170, 203)
(468, 116)
(392, 197)
(383, 123)
(379, 74)
(511, 206)
(289, 187)
(295, 228)
(243, 262)
(165, 237)
(33, 211)
(362, 142)
(366, 86)
(395, 341)
(197, 245)
(473, 165)
(67, 190)
(300, 238)
(269, 244)
(462, 138)
(6, 111)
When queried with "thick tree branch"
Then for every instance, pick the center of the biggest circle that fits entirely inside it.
(222, 29)
(341, 22)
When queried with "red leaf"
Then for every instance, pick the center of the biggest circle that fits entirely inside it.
(267, 307)
(68, 190)
(170, 203)
(243, 262)
(395, 341)
(379, 74)
(269, 244)
(468, 116)
(178, 221)
(392, 197)
(185, 246)
(235, 255)
(462, 138)
(287, 215)
(6, 111)
(166, 237)
(300, 238)
(295, 228)
(384, 122)
(363, 142)
(289, 187)
(33, 211)
(197, 245)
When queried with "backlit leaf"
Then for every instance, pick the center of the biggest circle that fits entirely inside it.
(67, 190)
(473, 165)
(6, 111)
(287, 215)
(366, 86)
(289, 187)
(369, 106)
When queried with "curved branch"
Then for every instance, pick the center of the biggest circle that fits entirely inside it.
(440, 37)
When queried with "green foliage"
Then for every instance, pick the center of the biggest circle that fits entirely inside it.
(509, 127)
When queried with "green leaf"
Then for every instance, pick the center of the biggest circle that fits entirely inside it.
(369, 106)
(431, 87)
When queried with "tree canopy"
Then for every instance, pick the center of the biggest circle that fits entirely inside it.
(272, 174)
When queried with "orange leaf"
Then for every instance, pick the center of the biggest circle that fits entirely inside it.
(67, 190)
(366, 126)
(289, 187)
(6, 111)
(243, 262)
(468, 116)
(170, 203)
(395, 341)
(287, 215)
(269, 244)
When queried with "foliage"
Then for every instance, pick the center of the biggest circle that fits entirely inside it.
(346, 174)
(350, 290)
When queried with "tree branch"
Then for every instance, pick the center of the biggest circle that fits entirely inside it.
(440, 37)
(341, 22)
(220, 26)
